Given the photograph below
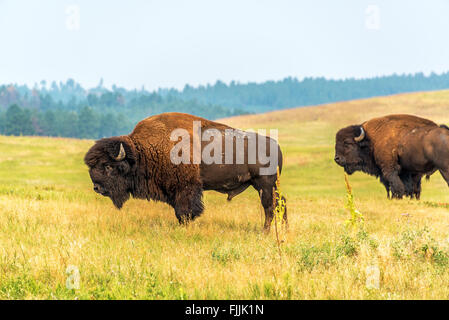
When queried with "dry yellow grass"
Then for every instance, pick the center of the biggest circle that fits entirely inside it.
(50, 219)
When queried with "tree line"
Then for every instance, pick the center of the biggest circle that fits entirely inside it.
(291, 92)
(90, 122)
(67, 109)
(86, 124)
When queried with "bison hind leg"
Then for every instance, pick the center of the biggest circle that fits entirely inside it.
(189, 204)
(266, 185)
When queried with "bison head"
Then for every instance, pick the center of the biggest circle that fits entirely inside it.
(111, 162)
(352, 150)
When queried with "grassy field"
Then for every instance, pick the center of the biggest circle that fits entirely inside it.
(50, 219)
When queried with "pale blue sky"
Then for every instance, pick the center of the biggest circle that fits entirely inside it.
(170, 43)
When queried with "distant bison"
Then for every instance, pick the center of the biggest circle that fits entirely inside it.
(399, 149)
(154, 163)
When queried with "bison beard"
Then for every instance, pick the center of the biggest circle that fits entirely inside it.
(139, 165)
(118, 196)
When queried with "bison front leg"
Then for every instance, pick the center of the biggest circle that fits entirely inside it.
(409, 184)
(386, 185)
(417, 185)
(188, 204)
(396, 185)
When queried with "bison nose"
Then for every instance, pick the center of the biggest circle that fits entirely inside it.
(337, 159)
(96, 188)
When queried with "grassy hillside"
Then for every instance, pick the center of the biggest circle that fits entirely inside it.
(51, 219)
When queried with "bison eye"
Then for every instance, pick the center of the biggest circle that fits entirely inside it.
(108, 168)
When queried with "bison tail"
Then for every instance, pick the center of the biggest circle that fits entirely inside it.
(444, 126)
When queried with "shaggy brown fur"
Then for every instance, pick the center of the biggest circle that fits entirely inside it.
(399, 149)
(147, 172)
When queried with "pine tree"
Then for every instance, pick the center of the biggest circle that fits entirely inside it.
(87, 124)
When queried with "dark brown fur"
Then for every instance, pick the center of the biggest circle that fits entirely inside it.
(399, 149)
(148, 173)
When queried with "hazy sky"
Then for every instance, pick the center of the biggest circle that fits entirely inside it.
(170, 43)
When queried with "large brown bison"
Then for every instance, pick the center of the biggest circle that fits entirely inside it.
(399, 149)
(149, 164)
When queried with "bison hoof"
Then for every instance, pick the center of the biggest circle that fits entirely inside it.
(397, 196)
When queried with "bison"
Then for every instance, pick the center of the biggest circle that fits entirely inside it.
(154, 163)
(398, 149)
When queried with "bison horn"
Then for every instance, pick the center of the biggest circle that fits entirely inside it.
(121, 153)
(361, 137)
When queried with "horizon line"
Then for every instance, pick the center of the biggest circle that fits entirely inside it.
(227, 83)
